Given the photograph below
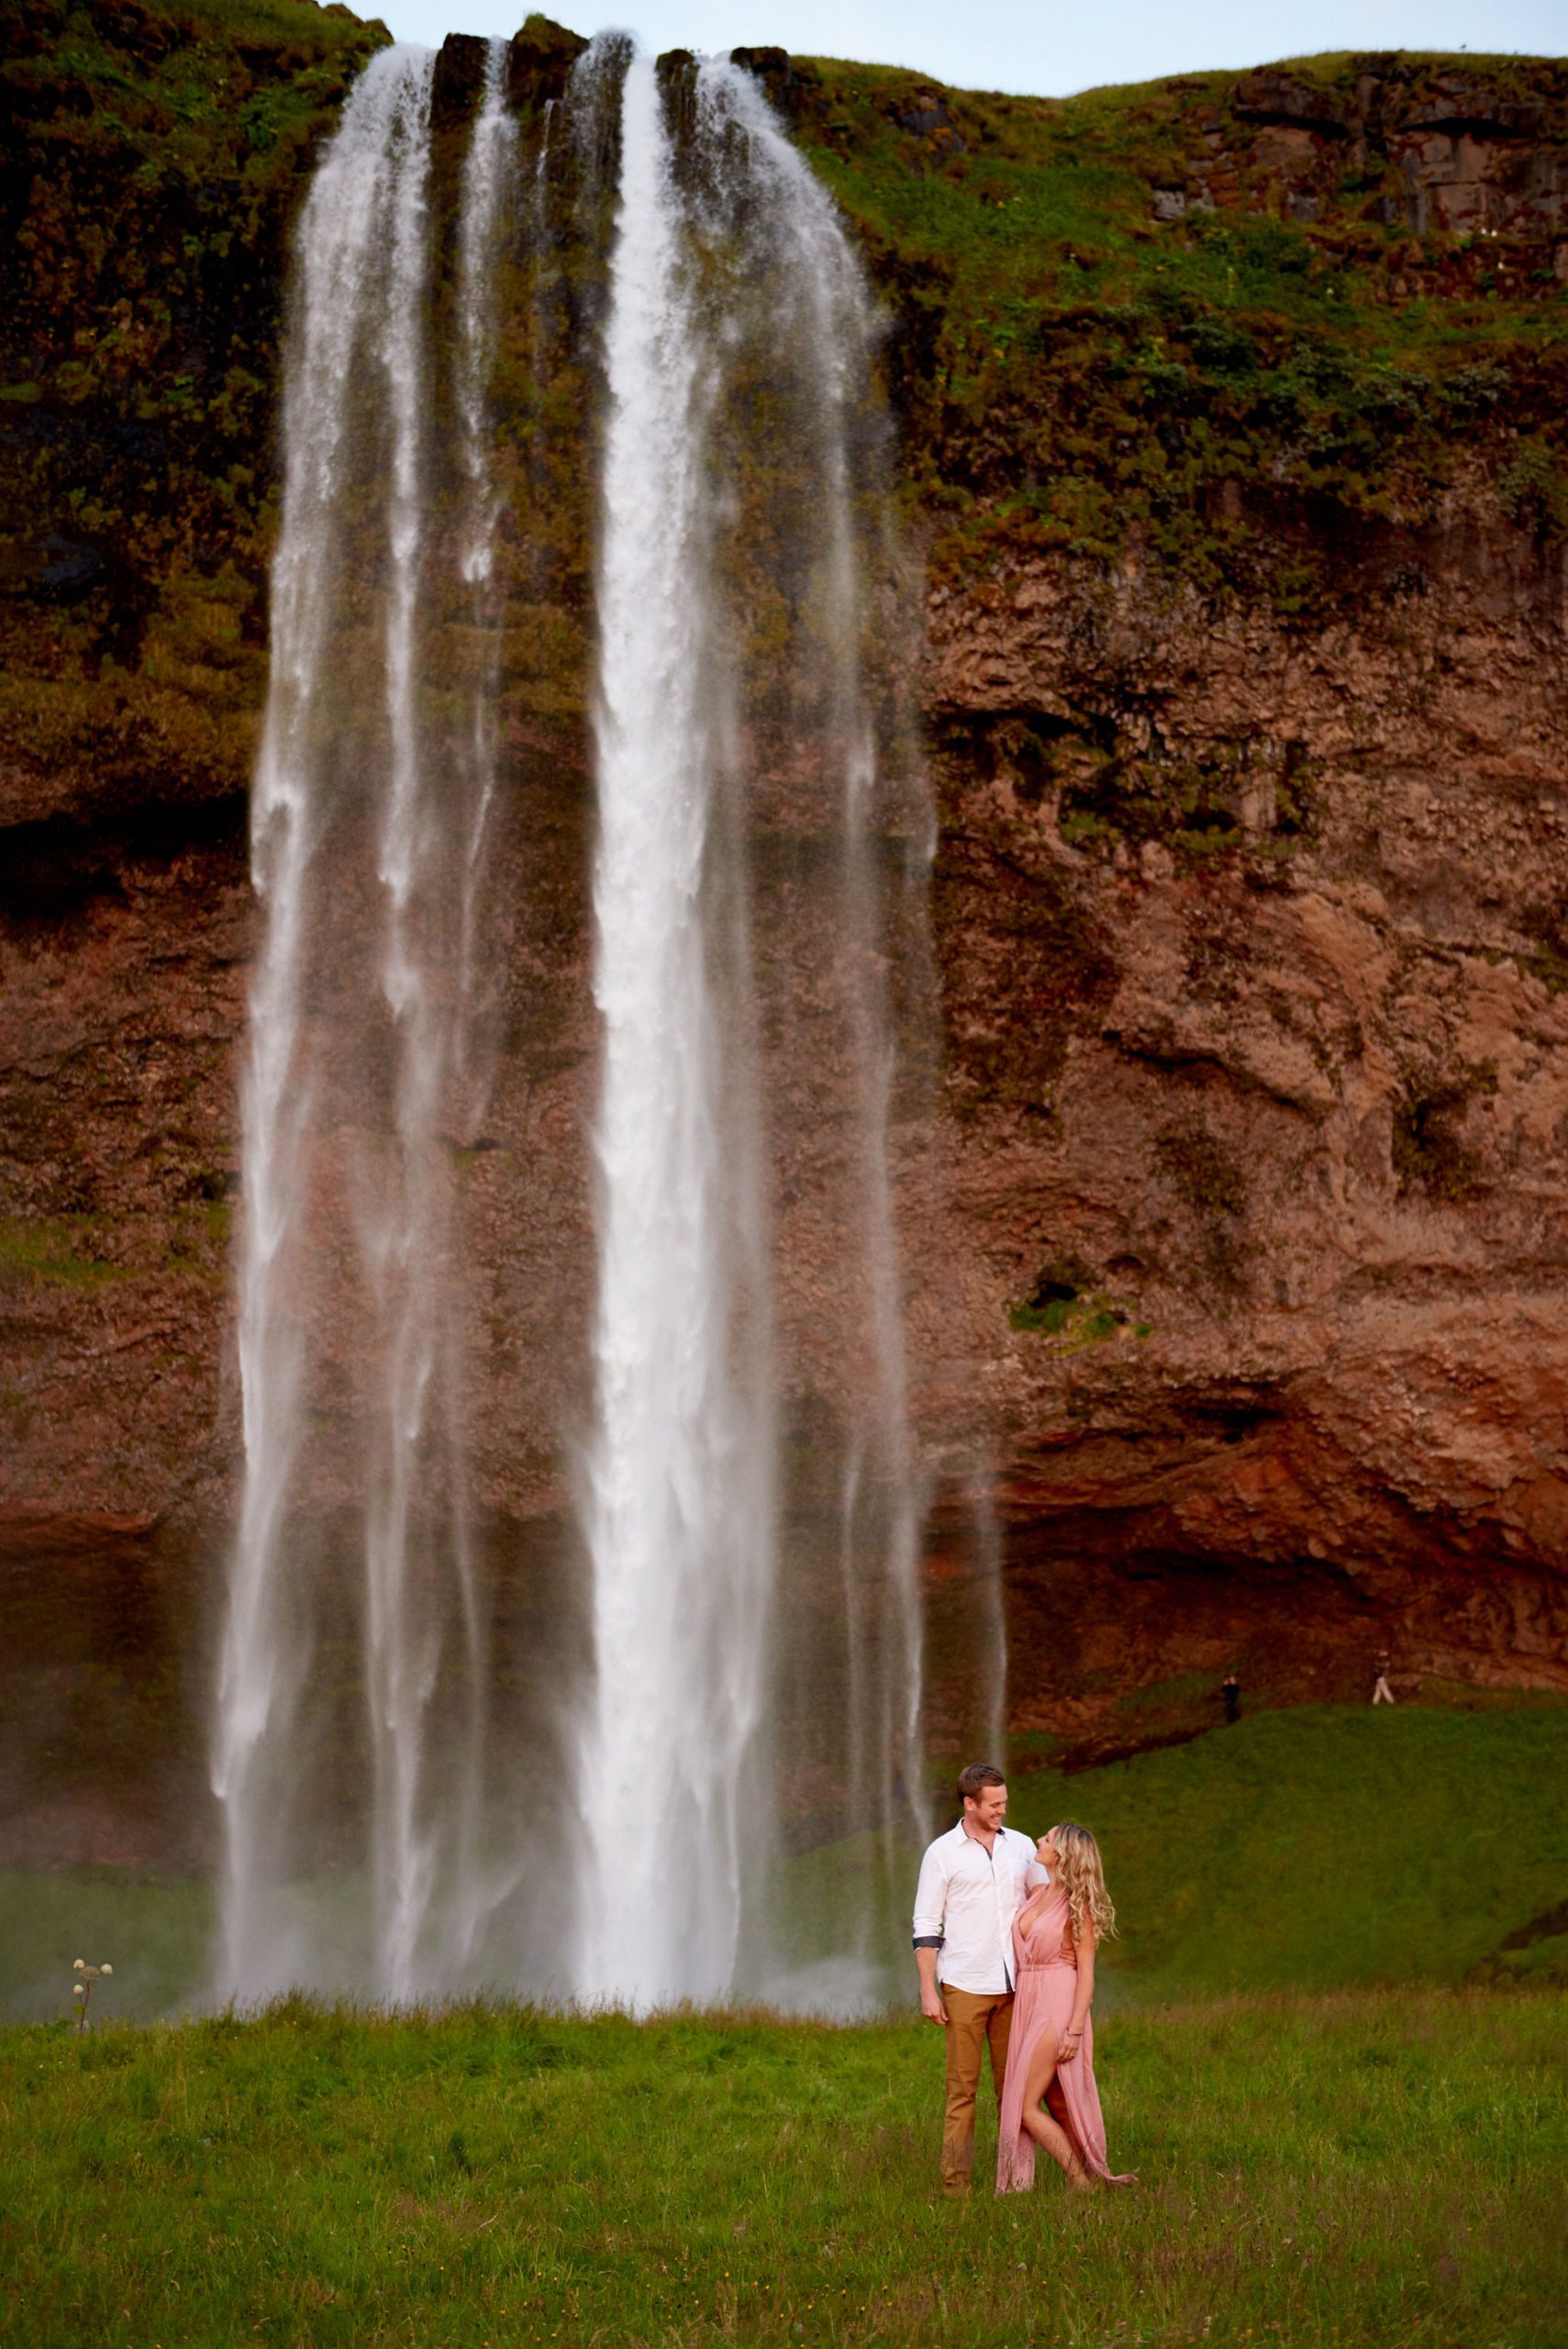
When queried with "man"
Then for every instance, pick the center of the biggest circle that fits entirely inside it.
(974, 1880)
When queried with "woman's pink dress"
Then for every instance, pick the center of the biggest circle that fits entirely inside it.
(1047, 1974)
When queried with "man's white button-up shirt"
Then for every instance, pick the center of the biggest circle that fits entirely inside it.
(967, 1900)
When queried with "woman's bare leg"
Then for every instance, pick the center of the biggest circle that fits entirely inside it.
(1045, 2131)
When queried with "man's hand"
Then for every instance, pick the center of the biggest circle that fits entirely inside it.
(931, 2005)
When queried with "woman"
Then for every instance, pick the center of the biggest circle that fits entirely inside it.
(1052, 2048)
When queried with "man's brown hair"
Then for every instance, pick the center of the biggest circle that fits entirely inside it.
(977, 1775)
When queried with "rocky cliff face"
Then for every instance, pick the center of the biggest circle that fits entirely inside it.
(1239, 1238)
(1260, 1133)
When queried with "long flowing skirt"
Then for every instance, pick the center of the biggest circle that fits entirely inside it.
(1044, 2003)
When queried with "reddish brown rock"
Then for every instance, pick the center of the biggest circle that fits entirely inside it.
(1284, 1101)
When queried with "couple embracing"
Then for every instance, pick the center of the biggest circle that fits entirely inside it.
(1005, 1932)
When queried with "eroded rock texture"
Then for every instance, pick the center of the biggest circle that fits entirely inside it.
(1261, 1116)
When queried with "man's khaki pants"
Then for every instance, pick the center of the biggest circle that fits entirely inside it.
(975, 2021)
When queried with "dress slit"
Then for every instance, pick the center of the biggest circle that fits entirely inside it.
(1047, 1987)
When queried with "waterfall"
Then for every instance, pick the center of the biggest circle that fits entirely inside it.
(401, 1654)
(740, 1671)
(427, 1763)
(679, 1510)
(368, 856)
(818, 308)
(265, 1645)
(731, 271)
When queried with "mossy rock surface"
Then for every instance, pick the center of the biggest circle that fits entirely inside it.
(1223, 318)
(1217, 324)
(154, 159)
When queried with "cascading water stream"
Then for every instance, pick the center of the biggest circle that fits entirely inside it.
(402, 1655)
(730, 270)
(354, 808)
(679, 1507)
(431, 869)
(266, 1644)
(822, 314)
(488, 184)
(488, 174)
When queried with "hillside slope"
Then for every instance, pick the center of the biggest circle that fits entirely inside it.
(1313, 1848)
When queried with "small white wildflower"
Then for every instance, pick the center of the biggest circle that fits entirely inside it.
(81, 1966)
(105, 1969)
(80, 1991)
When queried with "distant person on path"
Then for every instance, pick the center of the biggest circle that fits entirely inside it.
(973, 1881)
(1230, 1692)
(1382, 1694)
(1055, 1935)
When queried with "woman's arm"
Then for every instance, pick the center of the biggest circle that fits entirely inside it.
(1072, 2038)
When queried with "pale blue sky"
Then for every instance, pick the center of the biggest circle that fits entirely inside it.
(1033, 45)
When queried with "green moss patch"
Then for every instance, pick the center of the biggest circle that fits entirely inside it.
(56, 1253)
(155, 155)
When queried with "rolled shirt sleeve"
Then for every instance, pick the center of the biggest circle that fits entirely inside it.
(930, 1901)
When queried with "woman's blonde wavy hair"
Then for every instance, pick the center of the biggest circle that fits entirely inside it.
(1082, 1879)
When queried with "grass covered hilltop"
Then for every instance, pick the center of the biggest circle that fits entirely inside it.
(1223, 320)
(1321, 2161)
(1139, 313)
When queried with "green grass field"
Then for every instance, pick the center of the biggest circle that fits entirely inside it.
(1079, 372)
(1378, 2168)
(1321, 2160)
(1330, 1846)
